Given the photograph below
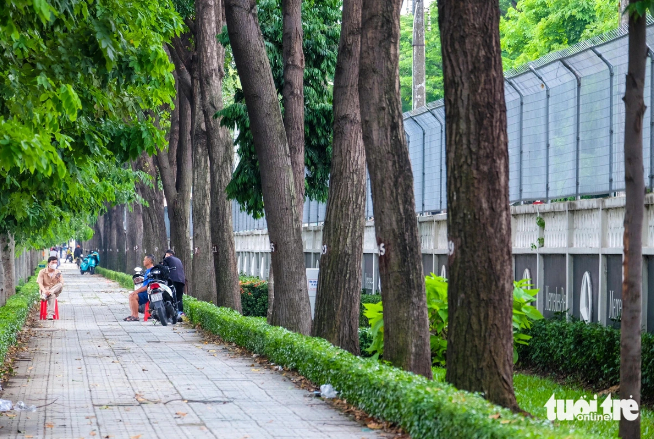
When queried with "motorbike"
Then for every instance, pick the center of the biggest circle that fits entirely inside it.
(69, 258)
(89, 263)
(161, 293)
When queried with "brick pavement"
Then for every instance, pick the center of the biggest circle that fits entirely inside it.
(103, 377)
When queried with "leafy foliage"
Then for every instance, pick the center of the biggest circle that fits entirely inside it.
(254, 297)
(423, 408)
(82, 84)
(437, 310)
(321, 27)
(534, 28)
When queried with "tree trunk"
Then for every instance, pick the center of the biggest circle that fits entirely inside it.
(271, 294)
(219, 144)
(336, 316)
(154, 226)
(98, 240)
(204, 280)
(630, 341)
(3, 291)
(624, 17)
(480, 298)
(7, 246)
(134, 238)
(178, 190)
(418, 55)
(111, 238)
(293, 92)
(291, 308)
(406, 328)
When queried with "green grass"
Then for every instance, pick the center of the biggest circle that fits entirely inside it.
(532, 392)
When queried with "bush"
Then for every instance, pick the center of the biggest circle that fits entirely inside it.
(125, 280)
(254, 297)
(15, 312)
(424, 408)
(367, 298)
(589, 353)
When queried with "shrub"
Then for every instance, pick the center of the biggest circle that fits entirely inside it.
(254, 297)
(125, 280)
(424, 408)
(367, 298)
(438, 314)
(15, 312)
(587, 352)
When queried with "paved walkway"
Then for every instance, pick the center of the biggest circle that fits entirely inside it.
(106, 378)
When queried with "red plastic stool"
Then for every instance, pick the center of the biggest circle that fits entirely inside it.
(146, 312)
(44, 310)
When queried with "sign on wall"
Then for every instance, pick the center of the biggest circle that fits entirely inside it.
(526, 265)
(554, 285)
(585, 290)
(613, 290)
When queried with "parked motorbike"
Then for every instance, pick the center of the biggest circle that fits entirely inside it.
(89, 263)
(161, 293)
(69, 258)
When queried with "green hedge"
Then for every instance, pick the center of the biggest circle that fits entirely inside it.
(424, 408)
(125, 280)
(15, 312)
(587, 352)
(254, 297)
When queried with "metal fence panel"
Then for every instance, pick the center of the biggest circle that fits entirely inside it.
(416, 135)
(513, 114)
(431, 164)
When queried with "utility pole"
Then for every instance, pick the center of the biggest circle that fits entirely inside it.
(418, 54)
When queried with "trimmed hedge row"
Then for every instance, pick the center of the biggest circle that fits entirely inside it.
(587, 352)
(424, 408)
(125, 280)
(15, 312)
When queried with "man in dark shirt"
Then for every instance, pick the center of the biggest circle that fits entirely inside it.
(177, 277)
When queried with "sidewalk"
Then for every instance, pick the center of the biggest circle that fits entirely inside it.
(106, 378)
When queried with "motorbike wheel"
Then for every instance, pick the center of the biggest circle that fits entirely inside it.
(170, 311)
(161, 313)
(81, 271)
(92, 270)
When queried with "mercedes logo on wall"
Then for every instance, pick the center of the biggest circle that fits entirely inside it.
(586, 298)
(443, 272)
(526, 275)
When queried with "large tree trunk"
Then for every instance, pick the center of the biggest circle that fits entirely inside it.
(177, 188)
(121, 238)
(418, 98)
(134, 237)
(154, 226)
(293, 91)
(630, 342)
(480, 339)
(7, 247)
(97, 241)
(110, 241)
(204, 280)
(211, 57)
(406, 328)
(291, 308)
(336, 316)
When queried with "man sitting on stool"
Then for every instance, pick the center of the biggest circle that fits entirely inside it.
(50, 284)
(140, 296)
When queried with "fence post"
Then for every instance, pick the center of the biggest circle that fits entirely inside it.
(440, 181)
(651, 118)
(422, 208)
(577, 124)
(522, 103)
(547, 132)
(610, 66)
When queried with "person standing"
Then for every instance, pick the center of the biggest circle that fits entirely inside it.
(177, 277)
(54, 254)
(51, 283)
(77, 255)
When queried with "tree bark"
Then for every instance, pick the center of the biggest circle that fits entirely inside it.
(221, 154)
(293, 91)
(336, 316)
(111, 238)
(271, 294)
(7, 245)
(204, 280)
(97, 241)
(418, 55)
(154, 226)
(134, 237)
(3, 291)
(291, 308)
(178, 190)
(480, 298)
(630, 329)
(406, 328)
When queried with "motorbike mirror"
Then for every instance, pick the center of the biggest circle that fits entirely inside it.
(137, 269)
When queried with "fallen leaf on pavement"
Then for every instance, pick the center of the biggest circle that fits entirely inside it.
(49, 425)
(138, 436)
(374, 426)
(182, 414)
